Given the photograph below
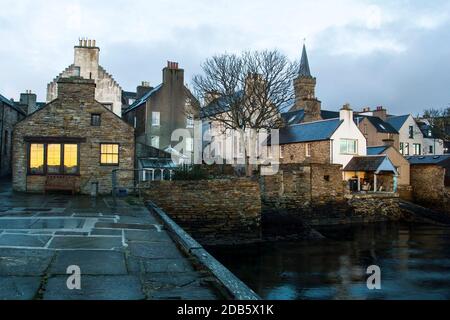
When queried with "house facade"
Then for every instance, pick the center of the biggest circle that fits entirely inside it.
(86, 65)
(375, 128)
(74, 137)
(159, 111)
(10, 114)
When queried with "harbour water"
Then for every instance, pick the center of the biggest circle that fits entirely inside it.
(414, 262)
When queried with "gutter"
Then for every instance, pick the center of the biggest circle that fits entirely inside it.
(234, 287)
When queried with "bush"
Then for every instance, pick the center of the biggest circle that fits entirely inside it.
(186, 172)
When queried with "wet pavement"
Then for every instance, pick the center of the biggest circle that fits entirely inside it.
(123, 252)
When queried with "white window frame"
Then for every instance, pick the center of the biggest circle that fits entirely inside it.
(347, 151)
(308, 150)
(156, 118)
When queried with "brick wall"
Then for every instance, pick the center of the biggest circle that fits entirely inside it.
(213, 211)
(64, 117)
(296, 152)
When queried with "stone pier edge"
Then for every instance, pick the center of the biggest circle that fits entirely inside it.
(235, 288)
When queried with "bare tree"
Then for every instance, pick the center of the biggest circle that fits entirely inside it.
(439, 120)
(246, 91)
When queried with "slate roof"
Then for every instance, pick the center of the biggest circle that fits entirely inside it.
(143, 99)
(304, 65)
(425, 128)
(217, 106)
(308, 132)
(379, 124)
(373, 151)
(295, 117)
(443, 160)
(12, 104)
(397, 121)
(366, 164)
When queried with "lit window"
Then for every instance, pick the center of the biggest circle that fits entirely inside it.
(95, 119)
(109, 154)
(53, 158)
(70, 158)
(156, 118)
(348, 146)
(36, 158)
(155, 142)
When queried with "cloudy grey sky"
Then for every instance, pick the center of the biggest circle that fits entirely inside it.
(367, 53)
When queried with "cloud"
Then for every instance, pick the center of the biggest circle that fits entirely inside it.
(362, 51)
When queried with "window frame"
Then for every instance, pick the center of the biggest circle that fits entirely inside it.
(99, 115)
(355, 141)
(100, 154)
(45, 165)
(308, 150)
(411, 132)
(159, 119)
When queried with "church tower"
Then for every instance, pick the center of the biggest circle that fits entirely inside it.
(305, 87)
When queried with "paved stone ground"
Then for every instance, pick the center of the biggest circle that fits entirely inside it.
(122, 251)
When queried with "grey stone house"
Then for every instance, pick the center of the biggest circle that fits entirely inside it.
(75, 138)
(158, 111)
(10, 114)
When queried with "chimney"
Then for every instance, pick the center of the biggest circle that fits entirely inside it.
(143, 89)
(28, 100)
(86, 58)
(381, 113)
(76, 90)
(346, 113)
(172, 74)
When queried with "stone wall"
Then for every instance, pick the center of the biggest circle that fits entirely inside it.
(69, 117)
(428, 183)
(296, 152)
(9, 116)
(213, 211)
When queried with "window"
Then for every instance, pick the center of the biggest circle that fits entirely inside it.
(430, 150)
(402, 151)
(156, 118)
(411, 132)
(308, 150)
(134, 122)
(429, 133)
(348, 146)
(96, 119)
(281, 152)
(417, 149)
(189, 144)
(53, 158)
(406, 148)
(36, 162)
(109, 154)
(155, 142)
(70, 158)
(189, 122)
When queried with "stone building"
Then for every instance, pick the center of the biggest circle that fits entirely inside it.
(10, 114)
(73, 136)
(159, 111)
(86, 65)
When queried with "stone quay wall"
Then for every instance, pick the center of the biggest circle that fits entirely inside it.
(317, 194)
(212, 211)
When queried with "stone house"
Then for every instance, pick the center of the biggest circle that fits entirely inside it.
(158, 111)
(411, 138)
(10, 114)
(76, 137)
(86, 65)
(331, 141)
(430, 180)
(375, 128)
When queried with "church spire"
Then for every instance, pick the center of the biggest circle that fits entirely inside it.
(304, 65)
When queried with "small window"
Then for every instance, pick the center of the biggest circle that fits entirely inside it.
(308, 150)
(411, 132)
(406, 149)
(431, 150)
(326, 178)
(189, 122)
(96, 119)
(36, 163)
(348, 146)
(155, 142)
(156, 118)
(109, 154)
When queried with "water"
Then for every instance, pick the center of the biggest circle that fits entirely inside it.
(414, 262)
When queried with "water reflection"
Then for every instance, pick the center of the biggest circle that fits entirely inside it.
(414, 261)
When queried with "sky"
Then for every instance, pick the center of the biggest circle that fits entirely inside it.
(366, 53)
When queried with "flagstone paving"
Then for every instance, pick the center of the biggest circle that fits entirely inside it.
(123, 252)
